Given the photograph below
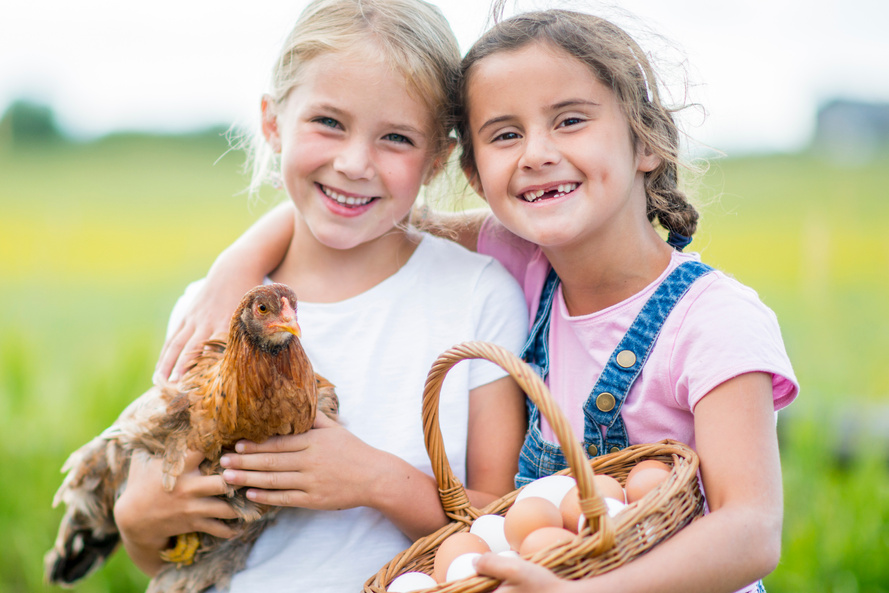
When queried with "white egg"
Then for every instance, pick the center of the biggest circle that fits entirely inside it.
(612, 507)
(552, 488)
(509, 554)
(490, 529)
(462, 567)
(411, 581)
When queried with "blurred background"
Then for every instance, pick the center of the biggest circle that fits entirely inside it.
(117, 188)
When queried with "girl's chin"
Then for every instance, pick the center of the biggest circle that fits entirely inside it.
(343, 239)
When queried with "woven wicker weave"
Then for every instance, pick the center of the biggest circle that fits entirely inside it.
(605, 543)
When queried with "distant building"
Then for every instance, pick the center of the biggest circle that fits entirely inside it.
(852, 132)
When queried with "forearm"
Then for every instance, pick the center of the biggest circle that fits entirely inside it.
(146, 555)
(460, 227)
(407, 497)
(723, 551)
(740, 540)
(410, 499)
(494, 439)
(257, 252)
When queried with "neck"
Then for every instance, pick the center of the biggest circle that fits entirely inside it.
(323, 274)
(599, 275)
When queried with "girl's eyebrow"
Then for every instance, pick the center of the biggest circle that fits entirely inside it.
(406, 128)
(554, 107)
(494, 121)
(573, 103)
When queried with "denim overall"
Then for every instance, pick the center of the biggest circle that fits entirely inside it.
(602, 409)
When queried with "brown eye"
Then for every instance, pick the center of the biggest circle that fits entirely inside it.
(263, 309)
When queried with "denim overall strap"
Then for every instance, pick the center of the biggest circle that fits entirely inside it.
(540, 458)
(602, 408)
(536, 349)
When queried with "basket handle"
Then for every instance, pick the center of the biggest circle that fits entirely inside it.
(451, 491)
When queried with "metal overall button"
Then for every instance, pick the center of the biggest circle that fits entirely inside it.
(626, 358)
(605, 402)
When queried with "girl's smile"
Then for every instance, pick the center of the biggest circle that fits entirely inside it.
(344, 203)
(553, 151)
(354, 147)
(548, 192)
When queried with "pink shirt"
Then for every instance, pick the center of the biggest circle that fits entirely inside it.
(718, 330)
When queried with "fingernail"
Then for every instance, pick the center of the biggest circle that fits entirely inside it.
(229, 475)
(157, 378)
(251, 495)
(225, 461)
(174, 377)
(240, 447)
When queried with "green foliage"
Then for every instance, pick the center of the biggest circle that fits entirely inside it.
(98, 240)
(27, 123)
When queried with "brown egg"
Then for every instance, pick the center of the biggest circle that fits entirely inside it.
(643, 481)
(570, 509)
(544, 538)
(647, 463)
(608, 487)
(527, 515)
(457, 544)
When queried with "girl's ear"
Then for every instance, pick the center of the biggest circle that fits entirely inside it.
(270, 123)
(647, 160)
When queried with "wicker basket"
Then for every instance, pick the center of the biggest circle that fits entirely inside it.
(605, 544)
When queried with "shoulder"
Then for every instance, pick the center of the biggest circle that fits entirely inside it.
(722, 329)
(513, 252)
(723, 299)
(444, 258)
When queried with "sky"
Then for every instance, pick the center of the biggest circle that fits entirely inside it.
(759, 68)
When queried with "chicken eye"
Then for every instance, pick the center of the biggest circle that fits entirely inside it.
(263, 308)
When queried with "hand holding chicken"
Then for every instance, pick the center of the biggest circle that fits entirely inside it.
(254, 384)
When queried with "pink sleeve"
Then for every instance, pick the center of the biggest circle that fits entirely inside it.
(511, 251)
(727, 332)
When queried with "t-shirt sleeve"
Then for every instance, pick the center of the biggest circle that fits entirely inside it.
(500, 316)
(727, 332)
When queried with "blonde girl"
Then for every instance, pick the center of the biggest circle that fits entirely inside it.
(564, 133)
(355, 124)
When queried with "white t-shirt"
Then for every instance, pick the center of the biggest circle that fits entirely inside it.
(377, 348)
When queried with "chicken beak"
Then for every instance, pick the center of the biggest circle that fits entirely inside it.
(292, 327)
(288, 319)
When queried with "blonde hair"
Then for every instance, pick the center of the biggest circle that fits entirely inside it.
(618, 62)
(415, 38)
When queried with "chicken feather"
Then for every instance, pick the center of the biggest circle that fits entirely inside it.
(253, 384)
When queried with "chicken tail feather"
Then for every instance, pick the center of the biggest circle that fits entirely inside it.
(80, 554)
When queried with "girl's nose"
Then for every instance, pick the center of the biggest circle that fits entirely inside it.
(539, 152)
(354, 161)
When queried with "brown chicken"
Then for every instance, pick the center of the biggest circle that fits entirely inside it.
(257, 384)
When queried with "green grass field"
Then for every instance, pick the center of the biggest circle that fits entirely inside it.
(98, 240)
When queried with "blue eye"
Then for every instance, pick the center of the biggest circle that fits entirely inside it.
(399, 138)
(327, 121)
